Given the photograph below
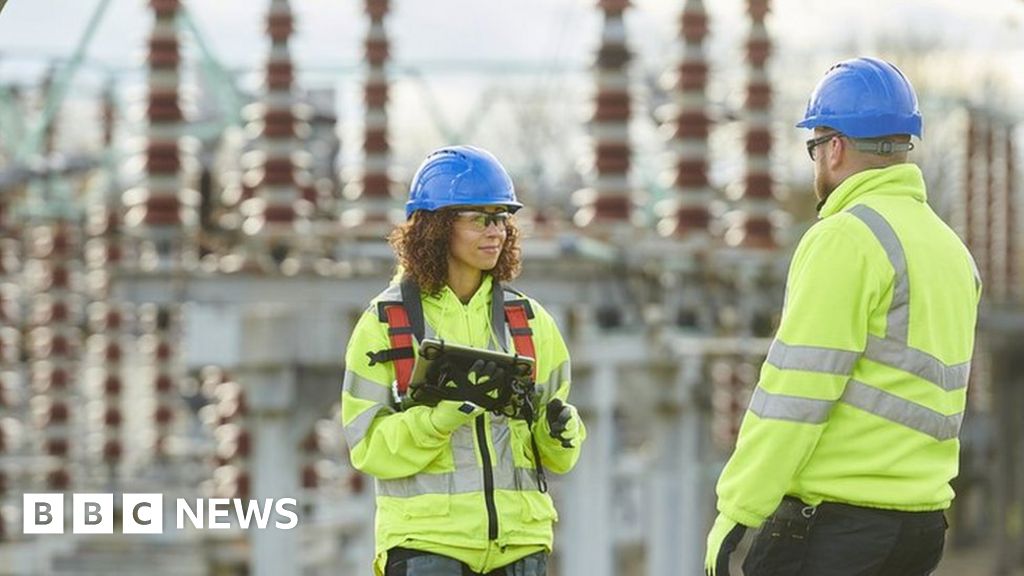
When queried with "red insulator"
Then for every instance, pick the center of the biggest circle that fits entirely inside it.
(376, 142)
(758, 185)
(759, 96)
(280, 76)
(113, 353)
(757, 9)
(611, 114)
(59, 379)
(112, 417)
(759, 142)
(691, 174)
(758, 51)
(163, 351)
(310, 443)
(59, 413)
(164, 415)
(111, 451)
(61, 243)
(613, 57)
(164, 113)
(113, 319)
(356, 484)
(59, 479)
(58, 311)
(114, 253)
(691, 125)
(244, 441)
(694, 26)
(165, 7)
(279, 214)
(377, 9)
(376, 185)
(310, 478)
(613, 6)
(60, 346)
(617, 99)
(377, 51)
(57, 446)
(60, 277)
(163, 164)
(612, 207)
(161, 218)
(693, 218)
(243, 485)
(164, 383)
(280, 26)
(692, 76)
(758, 234)
(112, 385)
(375, 95)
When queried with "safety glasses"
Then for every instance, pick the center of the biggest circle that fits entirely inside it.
(815, 142)
(481, 221)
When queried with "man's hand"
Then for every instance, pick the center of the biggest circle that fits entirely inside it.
(725, 535)
(563, 422)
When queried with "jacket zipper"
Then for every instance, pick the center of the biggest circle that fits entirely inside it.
(485, 457)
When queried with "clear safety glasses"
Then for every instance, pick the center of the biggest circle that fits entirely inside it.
(480, 221)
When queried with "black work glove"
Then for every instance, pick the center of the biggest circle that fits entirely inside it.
(563, 422)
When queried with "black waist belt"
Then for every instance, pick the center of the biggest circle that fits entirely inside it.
(794, 509)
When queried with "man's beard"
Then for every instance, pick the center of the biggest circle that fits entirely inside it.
(822, 188)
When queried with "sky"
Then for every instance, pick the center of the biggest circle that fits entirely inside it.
(972, 49)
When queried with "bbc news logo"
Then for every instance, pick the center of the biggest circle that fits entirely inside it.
(144, 513)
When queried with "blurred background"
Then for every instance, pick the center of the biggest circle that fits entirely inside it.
(194, 196)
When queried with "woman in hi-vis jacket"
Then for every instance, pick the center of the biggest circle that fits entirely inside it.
(460, 489)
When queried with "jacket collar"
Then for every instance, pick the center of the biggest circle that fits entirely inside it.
(481, 299)
(898, 180)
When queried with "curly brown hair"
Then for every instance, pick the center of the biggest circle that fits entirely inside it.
(421, 245)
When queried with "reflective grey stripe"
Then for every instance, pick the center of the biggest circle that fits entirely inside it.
(524, 479)
(918, 362)
(793, 408)
(356, 430)
(898, 323)
(974, 267)
(812, 358)
(902, 411)
(546, 390)
(364, 389)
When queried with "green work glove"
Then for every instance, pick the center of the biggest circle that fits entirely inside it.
(725, 535)
(449, 415)
(563, 422)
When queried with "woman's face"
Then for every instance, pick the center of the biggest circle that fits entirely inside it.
(478, 236)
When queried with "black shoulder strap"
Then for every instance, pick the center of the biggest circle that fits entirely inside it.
(498, 314)
(413, 307)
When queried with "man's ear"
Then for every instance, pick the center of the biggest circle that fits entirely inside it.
(836, 152)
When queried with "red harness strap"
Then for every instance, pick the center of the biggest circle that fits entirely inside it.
(522, 334)
(400, 333)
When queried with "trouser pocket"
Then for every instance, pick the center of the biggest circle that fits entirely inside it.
(779, 547)
(406, 562)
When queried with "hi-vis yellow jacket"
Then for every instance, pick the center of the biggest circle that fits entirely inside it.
(862, 395)
(430, 485)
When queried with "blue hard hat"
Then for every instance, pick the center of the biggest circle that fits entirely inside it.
(460, 176)
(864, 98)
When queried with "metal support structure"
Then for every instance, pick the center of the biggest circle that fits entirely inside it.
(60, 87)
(267, 372)
(225, 90)
(589, 547)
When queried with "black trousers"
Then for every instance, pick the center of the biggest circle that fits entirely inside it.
(843, 540)
(407, 562)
